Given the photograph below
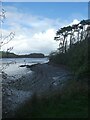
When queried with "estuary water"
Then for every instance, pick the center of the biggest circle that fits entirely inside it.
(11, 66)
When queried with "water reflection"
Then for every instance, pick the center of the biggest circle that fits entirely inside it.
(11, 65)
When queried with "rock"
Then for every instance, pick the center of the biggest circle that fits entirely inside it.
(55, 84)
(9, 93)
(4, 76)
(9, 99)
(6, 112)
(9, 82)
(3, 89)
(22, 66)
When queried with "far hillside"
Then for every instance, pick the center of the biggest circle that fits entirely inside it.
(13, 55)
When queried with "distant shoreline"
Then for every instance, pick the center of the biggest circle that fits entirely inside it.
(23, 57)
(13, 55)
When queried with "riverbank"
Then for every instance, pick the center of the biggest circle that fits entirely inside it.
(45, 79)
(64, 98)
(70, 102)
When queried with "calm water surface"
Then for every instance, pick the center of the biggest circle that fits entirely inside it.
(11, 65)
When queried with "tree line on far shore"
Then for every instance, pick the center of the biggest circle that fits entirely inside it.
(6, 54)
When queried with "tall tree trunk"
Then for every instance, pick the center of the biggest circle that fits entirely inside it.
(65, 46)
(64, 43)
(71, 39)
(78, 35)
(81, 35)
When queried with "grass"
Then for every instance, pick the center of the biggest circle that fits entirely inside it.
(71, 102)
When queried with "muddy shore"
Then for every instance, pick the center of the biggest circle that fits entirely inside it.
(44, 79)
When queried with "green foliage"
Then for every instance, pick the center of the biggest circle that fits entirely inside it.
(76, 57)
(63, 33)
(71, 102)
(12, 55)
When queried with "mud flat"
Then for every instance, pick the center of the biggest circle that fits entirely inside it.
(44, 79)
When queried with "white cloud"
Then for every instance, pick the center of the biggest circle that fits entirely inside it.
(75, 21)
(32, 33)
(39, 42)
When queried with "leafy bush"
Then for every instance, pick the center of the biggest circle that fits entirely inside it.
(76, 57)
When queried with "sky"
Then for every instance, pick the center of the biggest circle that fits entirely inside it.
(35, 24)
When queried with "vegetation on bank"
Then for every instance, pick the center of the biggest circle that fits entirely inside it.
(7, 55)
(13, 55)
(73, 50)
(76, 58)
(71, 102)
